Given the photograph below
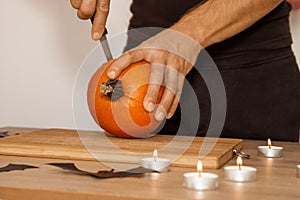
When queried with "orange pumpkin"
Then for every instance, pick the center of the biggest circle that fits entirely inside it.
(117, 105)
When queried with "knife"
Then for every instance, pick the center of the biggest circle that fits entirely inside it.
(104, 43)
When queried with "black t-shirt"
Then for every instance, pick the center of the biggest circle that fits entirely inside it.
(258, 68)
(271, 33)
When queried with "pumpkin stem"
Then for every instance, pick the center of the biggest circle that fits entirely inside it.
(113, 89)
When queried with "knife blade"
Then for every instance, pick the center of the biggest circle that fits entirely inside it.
(104, 44)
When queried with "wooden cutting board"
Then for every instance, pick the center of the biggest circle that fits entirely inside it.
(184, 151)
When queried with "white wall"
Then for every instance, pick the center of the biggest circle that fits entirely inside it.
(295, 28)
(42, 45)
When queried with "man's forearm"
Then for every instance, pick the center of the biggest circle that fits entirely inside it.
(217, 20)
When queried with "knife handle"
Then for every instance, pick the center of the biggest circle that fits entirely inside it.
(105, 30)
(104, 43)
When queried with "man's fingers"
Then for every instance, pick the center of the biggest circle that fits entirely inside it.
(87, 9)
(169, 73)
(164, 104)
(124, 61)
(100, 17)
(176, 99)
(173, 107)
(155, 83)
(75, 3)
(96, 9)
(182, 67)
(170, 83)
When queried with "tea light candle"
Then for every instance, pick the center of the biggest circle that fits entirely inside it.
(298, 171)
(240, 173)
(156, 163)
(270, 151)
(200, 180)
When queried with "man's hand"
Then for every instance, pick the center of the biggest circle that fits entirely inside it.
(295, 4)
(171, 55)
(98, 9)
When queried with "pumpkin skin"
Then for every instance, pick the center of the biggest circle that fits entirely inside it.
(125, 115)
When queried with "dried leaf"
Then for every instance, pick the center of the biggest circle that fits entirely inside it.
(4, 134)
(12, 167)
(103, 174)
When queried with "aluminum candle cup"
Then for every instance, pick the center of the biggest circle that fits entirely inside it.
(270, 152)
(157, 164)
(204, 181)
(298, 171)
(240, 173)
(199, 180)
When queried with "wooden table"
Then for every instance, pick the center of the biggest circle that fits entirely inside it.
(276, 179)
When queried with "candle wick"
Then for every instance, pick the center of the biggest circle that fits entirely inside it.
(155, 155)
(199, 174)
(269, 143)
(240, 167)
